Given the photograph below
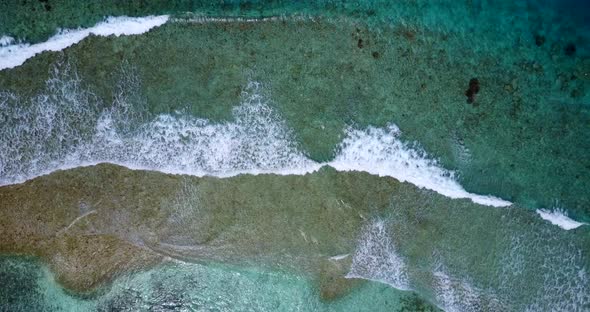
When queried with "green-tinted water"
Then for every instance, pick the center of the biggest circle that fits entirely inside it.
(321, 81)
(248, 87)
(320, 229)
(28, 286)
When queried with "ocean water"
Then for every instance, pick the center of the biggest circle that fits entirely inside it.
(269, 111)
(190, 287)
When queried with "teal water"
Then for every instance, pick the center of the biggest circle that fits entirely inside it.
(29, 286)
(287, 87)
(321, 82)
(326, 228)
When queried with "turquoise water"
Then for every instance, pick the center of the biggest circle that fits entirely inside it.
(323, 229)
(28, 286)
(273, 87)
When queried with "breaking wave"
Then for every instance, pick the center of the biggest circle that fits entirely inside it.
(66, 126)
(13, 54)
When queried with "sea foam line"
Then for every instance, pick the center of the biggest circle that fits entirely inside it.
(376, 258)
(15, 54)
(256, 141)
(226, 150)
(559, 217)
(202, 19)
(65, 128)
(380, 151)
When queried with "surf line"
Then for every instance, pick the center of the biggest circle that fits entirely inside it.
(13, 53)
(559, 217)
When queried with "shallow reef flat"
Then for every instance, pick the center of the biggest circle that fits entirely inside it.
(313, 155)
(94, 223)
(324, 74)
(29, 286)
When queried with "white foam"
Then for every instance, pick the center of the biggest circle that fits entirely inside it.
(255, 142)
(457, 295)
(381, 152)
(65, 128)
(208, 19)
(559, 217)
(12, 55)
(6, 40)
(339, 257)
(376, 258)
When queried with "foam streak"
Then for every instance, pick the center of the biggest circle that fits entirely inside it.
(559, 217)
(66, 127)
(13, 55)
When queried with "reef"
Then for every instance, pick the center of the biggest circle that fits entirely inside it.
(92, 224)
(472, 91)
(365, 89)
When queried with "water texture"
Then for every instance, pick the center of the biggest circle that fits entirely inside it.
(536, 160)
(294, 156)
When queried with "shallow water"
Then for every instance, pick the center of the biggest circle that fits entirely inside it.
(324, 84)
(294, 89)
(325, 227)
(188, 287)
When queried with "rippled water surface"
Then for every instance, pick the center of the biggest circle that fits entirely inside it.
(278, 156)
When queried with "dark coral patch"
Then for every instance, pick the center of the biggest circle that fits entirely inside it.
(473, 90)
(570, 49)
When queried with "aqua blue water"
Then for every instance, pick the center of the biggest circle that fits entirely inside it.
(280, 87)
(28, 286)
